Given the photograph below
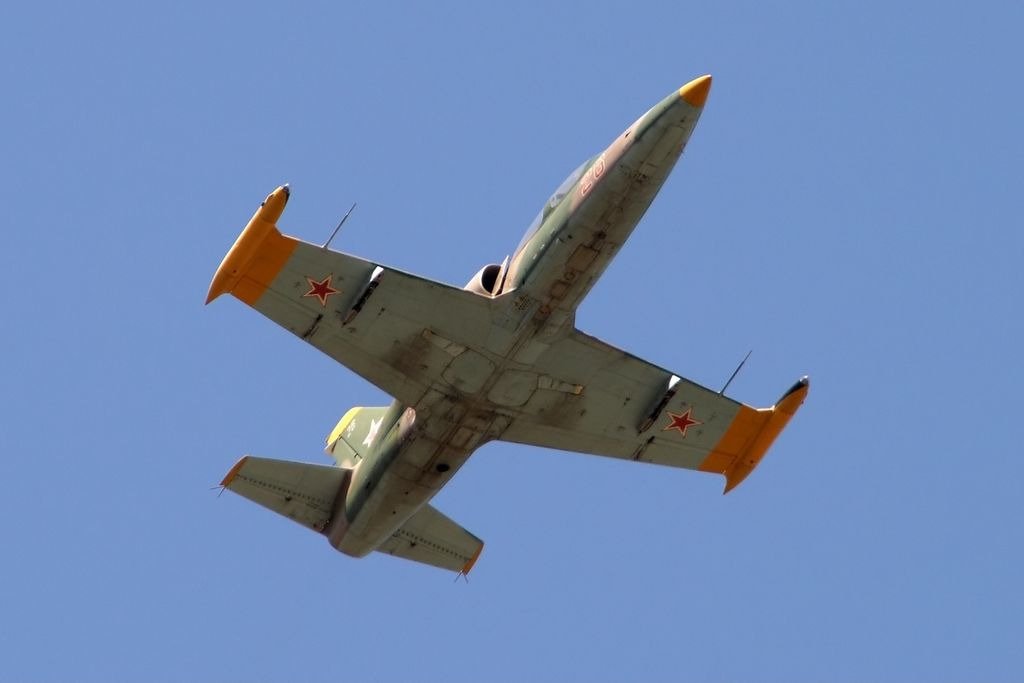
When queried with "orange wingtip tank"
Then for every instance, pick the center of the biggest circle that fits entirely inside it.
(252, 241)
(779, 416)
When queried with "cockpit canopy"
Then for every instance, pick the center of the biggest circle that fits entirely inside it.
(553, 201)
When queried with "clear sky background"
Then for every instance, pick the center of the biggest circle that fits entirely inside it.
(849, 207)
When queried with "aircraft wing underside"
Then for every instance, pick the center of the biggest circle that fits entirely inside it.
(630, 409)
(371, 319)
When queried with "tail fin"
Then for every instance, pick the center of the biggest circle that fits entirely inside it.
(355, 434)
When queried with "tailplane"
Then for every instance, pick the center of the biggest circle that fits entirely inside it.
(307, 494)
(314, 496)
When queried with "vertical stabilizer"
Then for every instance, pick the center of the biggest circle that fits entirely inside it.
(355, 435)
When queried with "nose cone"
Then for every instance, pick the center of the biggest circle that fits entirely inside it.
(695, 93)
(674, 116)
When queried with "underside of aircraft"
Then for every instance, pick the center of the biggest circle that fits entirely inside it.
(500, 359)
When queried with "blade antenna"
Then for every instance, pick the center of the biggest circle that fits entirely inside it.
(343, 219)
(735, 372)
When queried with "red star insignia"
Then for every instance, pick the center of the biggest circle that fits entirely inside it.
(321, 290)
(681, 422)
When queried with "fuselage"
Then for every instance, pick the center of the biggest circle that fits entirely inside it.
(579, 230)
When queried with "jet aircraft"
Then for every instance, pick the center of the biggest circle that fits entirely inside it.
(500, 358)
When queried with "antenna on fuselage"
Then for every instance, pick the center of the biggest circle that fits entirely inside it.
(343, 219)
(735, 372)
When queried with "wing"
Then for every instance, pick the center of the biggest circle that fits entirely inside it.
(625, 407)
(392, 328)
(432, 538)
(301, 492)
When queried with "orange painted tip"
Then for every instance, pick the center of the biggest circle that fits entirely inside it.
(248, 244)
(273, 206)
(695, 93)
(794, 397)
(469, 565)
(233, 472)
(779, 416)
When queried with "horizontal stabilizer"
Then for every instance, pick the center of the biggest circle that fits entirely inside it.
(299, 491)
(432, 538)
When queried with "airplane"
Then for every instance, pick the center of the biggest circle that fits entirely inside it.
(499, 359)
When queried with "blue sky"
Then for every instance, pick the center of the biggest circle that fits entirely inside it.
(849, 207)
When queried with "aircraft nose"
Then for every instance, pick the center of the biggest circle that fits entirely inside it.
(695, 93)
